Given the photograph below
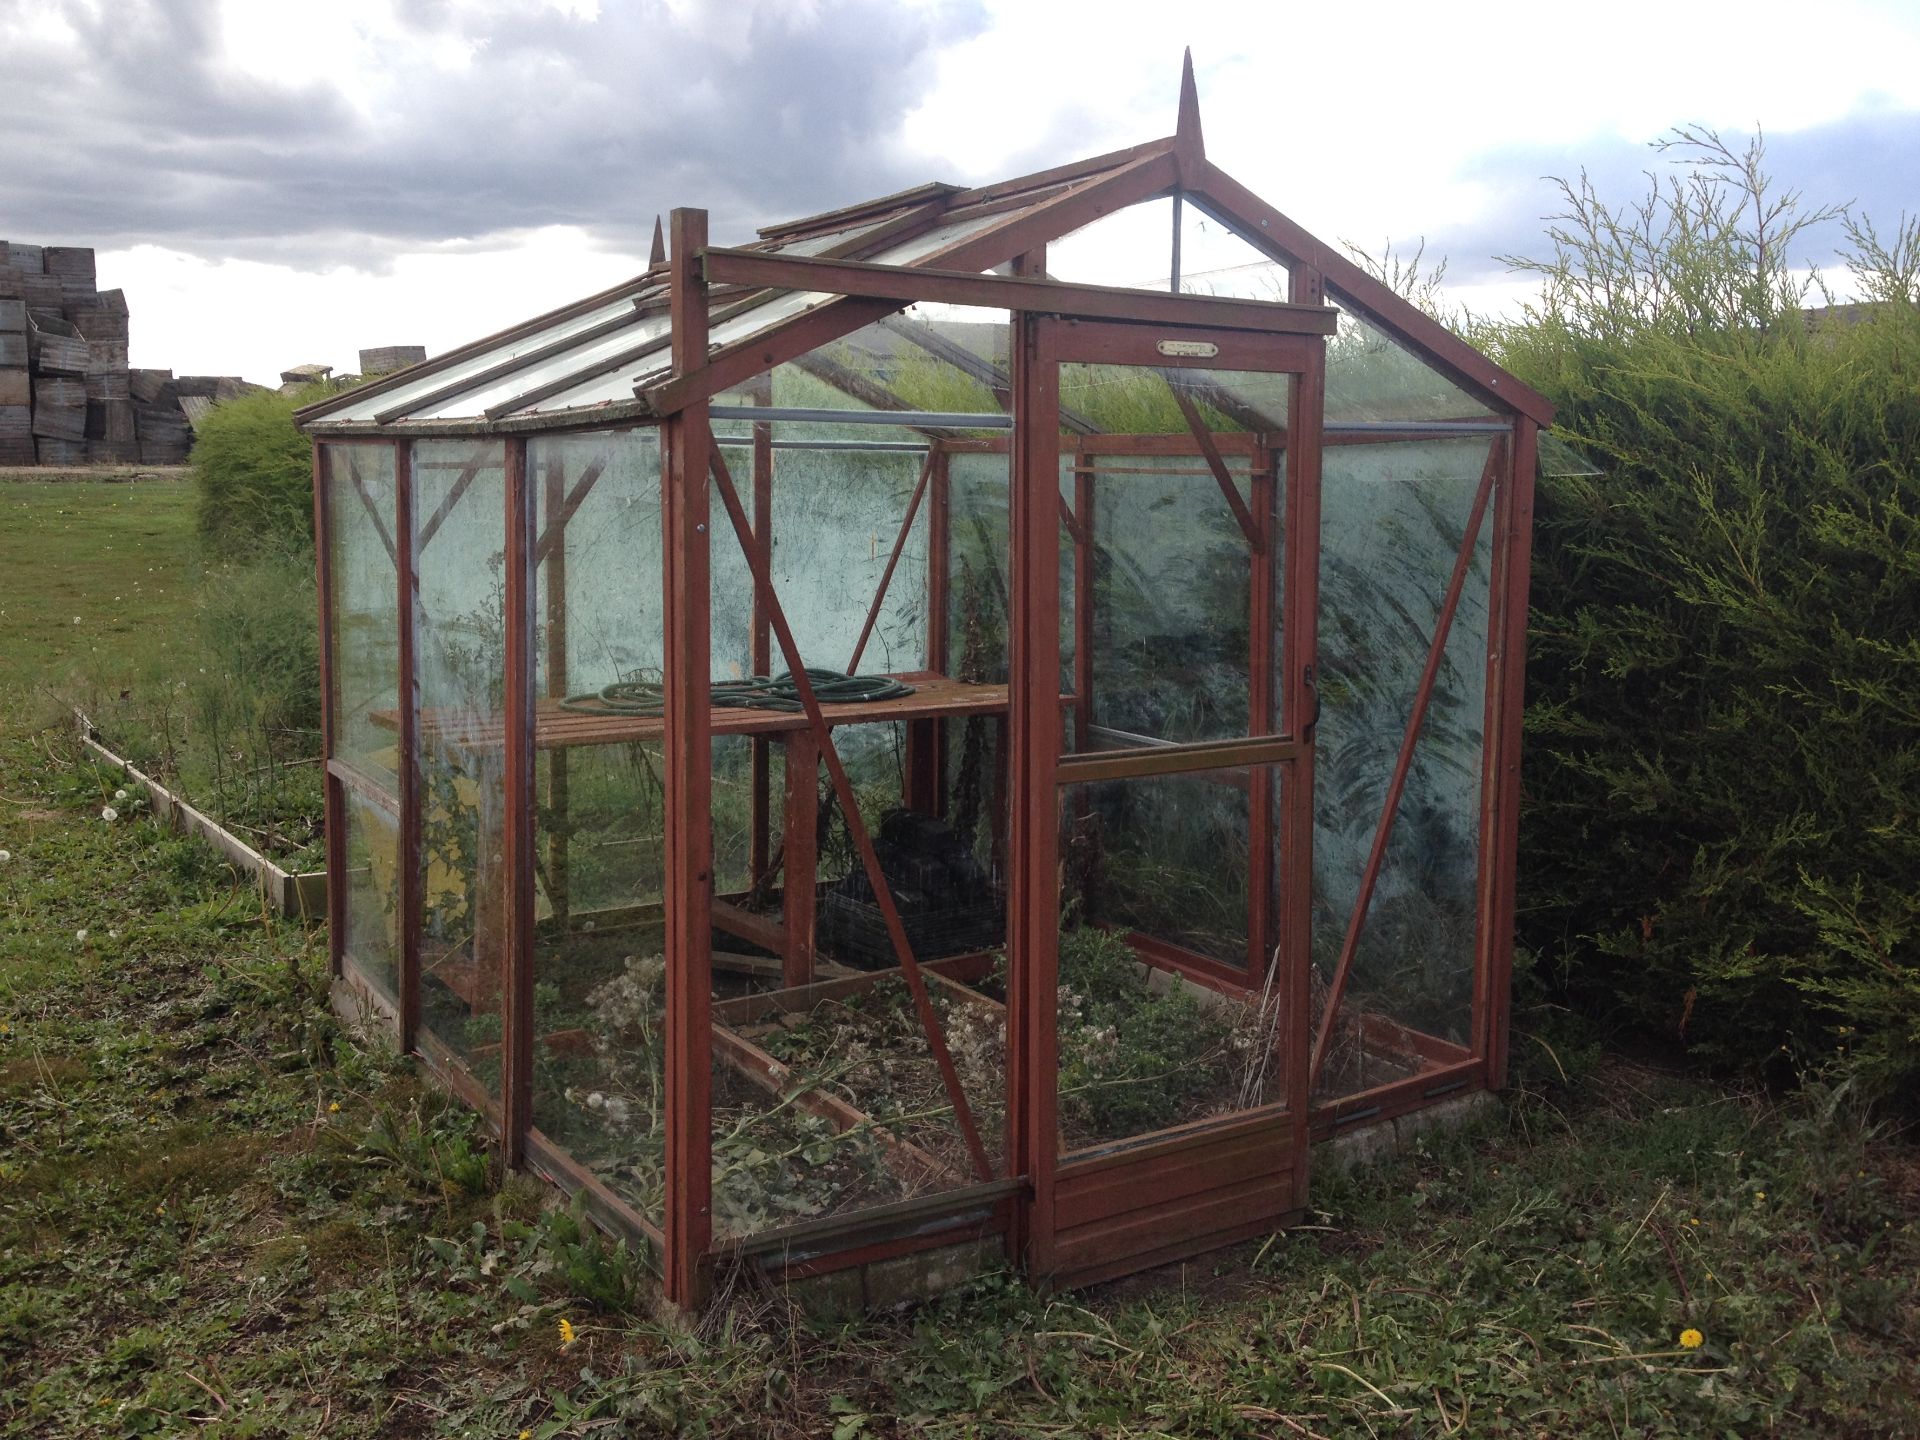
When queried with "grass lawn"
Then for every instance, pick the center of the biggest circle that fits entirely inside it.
(95, 581)
(222, 1215)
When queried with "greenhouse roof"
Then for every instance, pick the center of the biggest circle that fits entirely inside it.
(608, 358)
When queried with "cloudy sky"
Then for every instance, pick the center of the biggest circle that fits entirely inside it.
(275, 183)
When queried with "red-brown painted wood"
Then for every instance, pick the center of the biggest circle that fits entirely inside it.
(689, 772)
(408, 882)
(800, 845)
(1524, 463)
(516, 981)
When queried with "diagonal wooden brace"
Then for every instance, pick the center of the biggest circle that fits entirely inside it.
(850, 810)
(1217, 463)
(373, 513)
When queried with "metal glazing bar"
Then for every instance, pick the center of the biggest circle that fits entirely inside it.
(1421, 428)
(898, 447)
(1172, 760)
(908, 419)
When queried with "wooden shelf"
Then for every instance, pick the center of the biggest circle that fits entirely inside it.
(935, 697)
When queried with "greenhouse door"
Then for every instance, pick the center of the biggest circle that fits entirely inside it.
(1166, 484)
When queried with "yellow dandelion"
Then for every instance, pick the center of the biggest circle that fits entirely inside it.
(159, 1209)
(1691, 1339)
(1759, 1194)
(334, 1108)
(526, 1435)
(1695, 1220)
(566, 1332)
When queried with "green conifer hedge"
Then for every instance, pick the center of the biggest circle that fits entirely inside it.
(1721, 837)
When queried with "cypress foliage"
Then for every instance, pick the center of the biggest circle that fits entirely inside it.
(1721, 839)
(253, 475)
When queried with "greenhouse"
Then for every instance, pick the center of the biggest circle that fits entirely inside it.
(974, 730)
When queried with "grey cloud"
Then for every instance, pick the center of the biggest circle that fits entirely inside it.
(598, 123)
(1870, 159)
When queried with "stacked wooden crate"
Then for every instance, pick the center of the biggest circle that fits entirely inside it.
(64, 391)
(16, 381)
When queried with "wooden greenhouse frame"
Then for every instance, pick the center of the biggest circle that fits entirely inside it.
(459, 882)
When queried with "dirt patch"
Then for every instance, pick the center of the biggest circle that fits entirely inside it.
(23, 1077)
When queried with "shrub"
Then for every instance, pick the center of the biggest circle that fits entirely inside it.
(1722, 822)
(253, 474)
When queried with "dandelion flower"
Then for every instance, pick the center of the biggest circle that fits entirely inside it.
(566, 1332)
(334, 1108)
(1691, 1339)
(109, 814)
(120, 794)
(80, 937)
(6, 856)
(1694, 1220)
(1759, 1194)
(159, 1209)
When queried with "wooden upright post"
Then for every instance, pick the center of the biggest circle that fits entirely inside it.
(517, 963)
(689, 762)
(1033, 747)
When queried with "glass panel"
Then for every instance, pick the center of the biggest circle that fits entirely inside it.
(1133, 247)
(371, 944)
(1172, 591)
(1167, 857)
(1215, 260)
(459, 505)
(1371, 376)
(599, 846)
(1393, 518)
(366, 609)
(1155, 873)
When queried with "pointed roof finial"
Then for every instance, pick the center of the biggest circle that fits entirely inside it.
(659, 255)
(1187, 132)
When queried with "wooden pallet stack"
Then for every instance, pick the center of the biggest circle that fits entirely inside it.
(65, 394)
(16, 380)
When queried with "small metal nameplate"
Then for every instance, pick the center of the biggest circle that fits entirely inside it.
(1193, 349)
